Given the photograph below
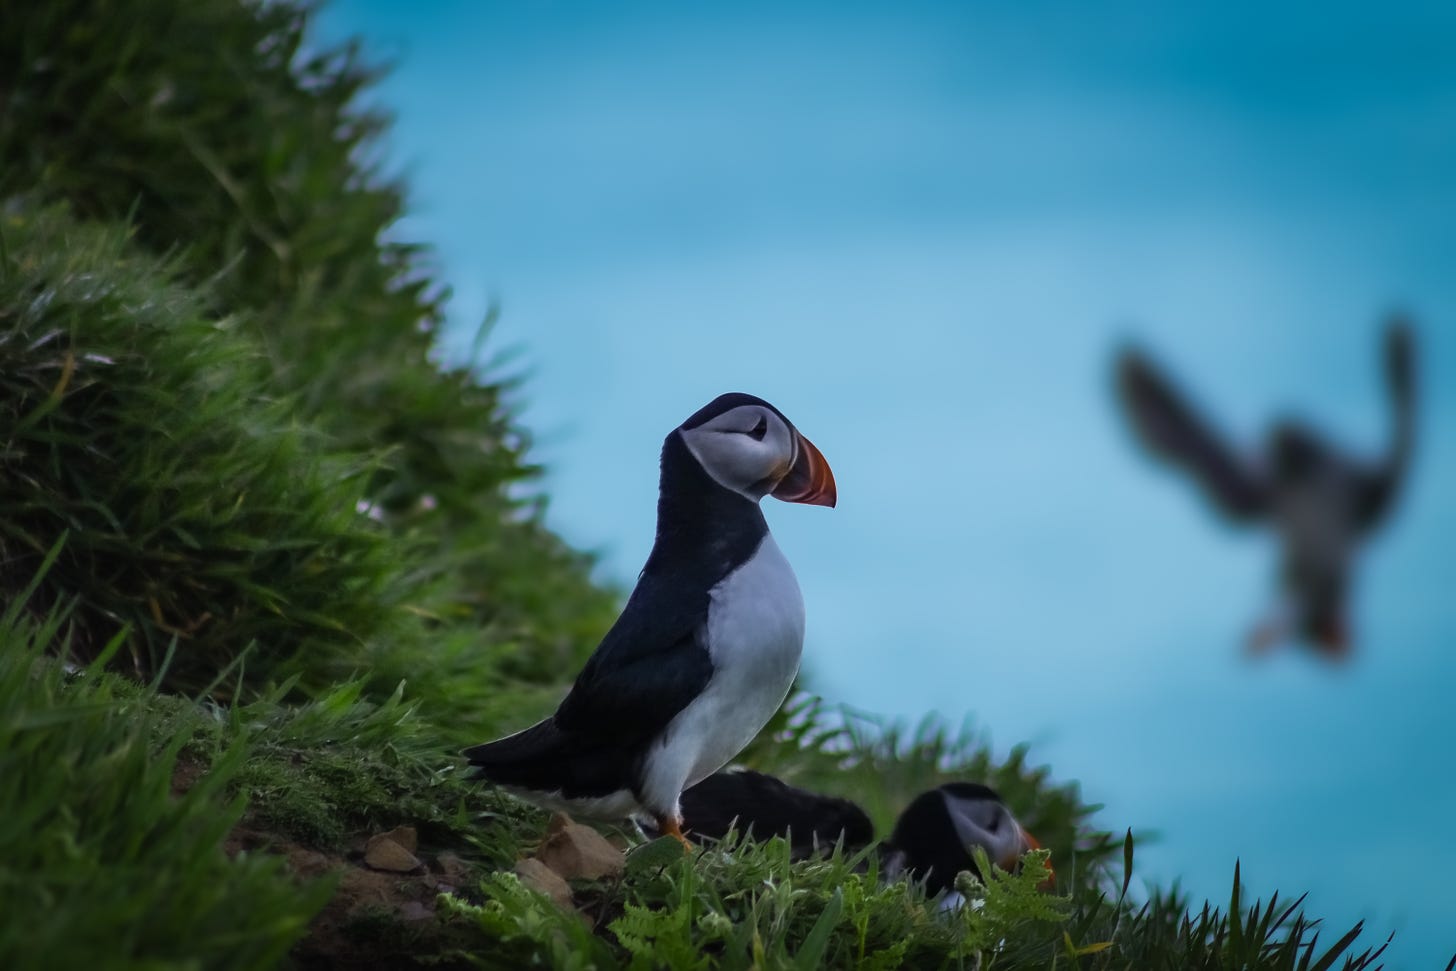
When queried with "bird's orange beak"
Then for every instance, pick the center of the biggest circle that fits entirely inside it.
(809, 479)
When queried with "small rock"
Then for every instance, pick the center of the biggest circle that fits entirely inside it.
(308, 863)
(452, 869)
(405, 836)
(414, 910)
(383, 853)
(578, 852)
(538, 876)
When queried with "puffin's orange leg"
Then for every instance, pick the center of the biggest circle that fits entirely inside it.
(672, 826)
(1263, 639)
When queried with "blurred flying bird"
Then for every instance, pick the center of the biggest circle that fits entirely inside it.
(1322, 503)
(934, 837)
(708, 644)
(766, 806)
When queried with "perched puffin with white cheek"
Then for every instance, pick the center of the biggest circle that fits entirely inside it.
(936, 833)
(708, 644)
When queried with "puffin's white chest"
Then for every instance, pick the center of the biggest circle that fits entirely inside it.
(756, 619)
(755, 636)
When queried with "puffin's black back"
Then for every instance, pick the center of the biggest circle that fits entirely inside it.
(771, 807)
(928, 839)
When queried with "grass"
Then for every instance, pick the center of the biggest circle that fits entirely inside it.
(200, 515)
(102, 864)
(219, 144)
(143, 838)
(268, 563)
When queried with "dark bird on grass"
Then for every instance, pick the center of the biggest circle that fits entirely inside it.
(935, 837)
(765, 806)
(1322, 502)
(708, 644)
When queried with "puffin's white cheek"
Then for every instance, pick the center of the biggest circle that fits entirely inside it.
(736, 462)
(754, 464)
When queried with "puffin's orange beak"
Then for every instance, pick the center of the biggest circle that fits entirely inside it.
(809, 479)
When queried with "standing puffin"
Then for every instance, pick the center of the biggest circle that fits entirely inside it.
(936, 833)
(1322, 503)
(752, 801)
(708, 644)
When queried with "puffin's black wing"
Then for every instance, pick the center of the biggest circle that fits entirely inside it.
(1383, 482)
(651, 664)
(645, 671)
(771, 807)
(1171, 428)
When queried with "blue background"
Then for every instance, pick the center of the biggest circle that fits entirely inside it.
(921, 230)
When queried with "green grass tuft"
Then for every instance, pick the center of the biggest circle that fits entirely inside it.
(102, 865)
(199, 514)
(225, 141)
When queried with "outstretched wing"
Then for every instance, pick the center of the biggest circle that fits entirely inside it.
(651, 664)
(1170, 427)
(1384, 482)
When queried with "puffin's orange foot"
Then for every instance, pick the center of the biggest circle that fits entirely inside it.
(672, 826)
(1262, 640)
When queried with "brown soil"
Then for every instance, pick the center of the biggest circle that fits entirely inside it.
(186, 774)
(375, 919)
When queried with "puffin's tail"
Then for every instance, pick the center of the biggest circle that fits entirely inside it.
(528, 758)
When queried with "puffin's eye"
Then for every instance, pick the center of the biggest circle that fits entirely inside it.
(759, 430)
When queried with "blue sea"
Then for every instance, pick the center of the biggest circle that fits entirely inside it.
(922, 230)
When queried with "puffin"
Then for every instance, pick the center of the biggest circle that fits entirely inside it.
(708, 644)
(754, 802)
(1322, 502)
(935, 834)
(933, 839)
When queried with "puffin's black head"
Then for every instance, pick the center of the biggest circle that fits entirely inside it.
(936, 834)
(747, 446)
(1296, 453)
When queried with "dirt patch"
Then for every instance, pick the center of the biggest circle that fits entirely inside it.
(375, 919)
(185, 774)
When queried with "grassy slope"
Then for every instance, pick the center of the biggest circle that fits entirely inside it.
(230, 467)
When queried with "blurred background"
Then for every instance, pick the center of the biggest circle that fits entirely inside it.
(922, 232)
